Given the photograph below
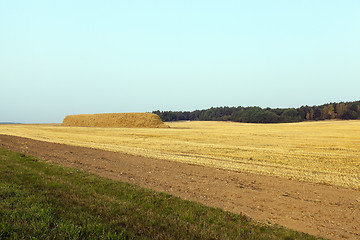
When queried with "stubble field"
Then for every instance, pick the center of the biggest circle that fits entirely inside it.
(322, 152)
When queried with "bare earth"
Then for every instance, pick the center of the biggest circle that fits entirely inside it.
(317, 209)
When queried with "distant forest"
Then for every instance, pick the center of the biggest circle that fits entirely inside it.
(342, 110)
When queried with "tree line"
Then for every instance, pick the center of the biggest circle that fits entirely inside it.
(342, 110)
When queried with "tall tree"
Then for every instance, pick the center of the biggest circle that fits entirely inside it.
(340, 109)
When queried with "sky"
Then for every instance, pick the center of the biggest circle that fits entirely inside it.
(61, 57)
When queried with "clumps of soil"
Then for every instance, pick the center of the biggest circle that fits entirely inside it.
(127, 120)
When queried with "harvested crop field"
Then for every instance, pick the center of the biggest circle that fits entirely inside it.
(126, 120)
(318, 209)
(322, 152)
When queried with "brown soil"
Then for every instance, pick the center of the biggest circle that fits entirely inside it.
(321, 210)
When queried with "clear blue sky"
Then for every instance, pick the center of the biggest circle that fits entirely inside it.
(70, 57)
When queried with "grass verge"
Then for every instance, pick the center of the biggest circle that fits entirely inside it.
(39, 200)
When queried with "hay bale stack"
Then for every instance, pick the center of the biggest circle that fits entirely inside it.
(127, 120)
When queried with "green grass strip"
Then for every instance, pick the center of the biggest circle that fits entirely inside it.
(39, 200)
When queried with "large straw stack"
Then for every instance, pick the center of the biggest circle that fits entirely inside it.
(128, 120)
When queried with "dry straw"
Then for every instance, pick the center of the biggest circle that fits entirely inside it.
(323, 152)
(127, 120)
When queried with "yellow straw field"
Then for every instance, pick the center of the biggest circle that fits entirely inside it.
(324, 152)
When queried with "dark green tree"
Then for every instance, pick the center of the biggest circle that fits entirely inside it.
(290, 115)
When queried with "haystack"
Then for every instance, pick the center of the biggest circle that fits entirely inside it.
(127, 120)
